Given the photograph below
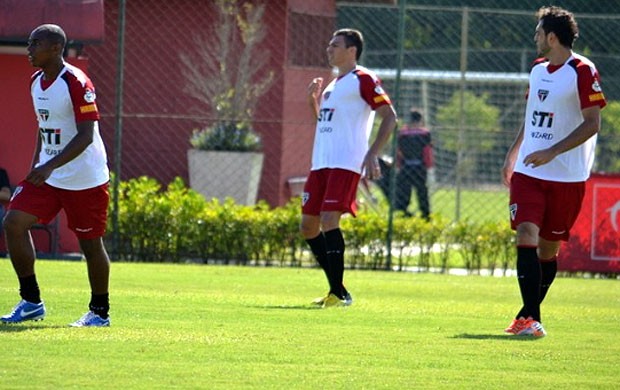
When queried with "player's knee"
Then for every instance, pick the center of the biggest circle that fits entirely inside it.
(527, 234)
(16, 224)
(308, 230)
(94, 250)
(328, 224)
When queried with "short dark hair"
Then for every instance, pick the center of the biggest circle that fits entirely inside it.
(560, 22)
(53, 32)
(352, 37)
(415, 115)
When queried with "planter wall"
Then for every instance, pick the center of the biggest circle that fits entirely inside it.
(220, 174)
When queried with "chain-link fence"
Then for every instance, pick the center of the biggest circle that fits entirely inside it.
(191, 65)
(480, 56)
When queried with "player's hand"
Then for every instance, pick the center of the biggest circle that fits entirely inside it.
(507, 171)
(538, 158)
(371, 167)
(38, 175)
(314, 89)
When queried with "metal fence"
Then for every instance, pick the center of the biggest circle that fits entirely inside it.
(447, 54)
(482, 56)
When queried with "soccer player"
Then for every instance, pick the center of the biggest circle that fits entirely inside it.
(548, 163)
(344, 112)
(70, 173)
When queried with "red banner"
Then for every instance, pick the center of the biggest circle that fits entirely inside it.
(594, 245)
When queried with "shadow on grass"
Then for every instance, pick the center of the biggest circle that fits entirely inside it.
(13, 328)
(286, 307)
(506, 337)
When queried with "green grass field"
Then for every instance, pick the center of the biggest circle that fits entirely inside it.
(211, 327)
(476, 206)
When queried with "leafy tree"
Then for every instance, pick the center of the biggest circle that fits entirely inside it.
(481, 119)
(228, 73)
(480, 131)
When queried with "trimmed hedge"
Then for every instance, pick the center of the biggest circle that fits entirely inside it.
(178, 225)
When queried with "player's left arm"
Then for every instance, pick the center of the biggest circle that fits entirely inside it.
(388, 122)
(373, 94)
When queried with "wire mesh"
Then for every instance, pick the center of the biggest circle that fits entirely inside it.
(489, 70)
(159, 115)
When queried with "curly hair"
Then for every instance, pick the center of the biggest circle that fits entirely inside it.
(560, 22)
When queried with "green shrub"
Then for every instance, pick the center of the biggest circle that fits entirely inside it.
(226, 136)
(177, 224)
(365, 237)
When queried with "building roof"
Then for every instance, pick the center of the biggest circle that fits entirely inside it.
(82, 20)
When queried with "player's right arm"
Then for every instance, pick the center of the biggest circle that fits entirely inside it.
(37, 150)
(511, 157)
(314, 94)
(74, 148)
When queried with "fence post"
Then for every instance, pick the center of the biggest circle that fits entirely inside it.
(462, 123)
(118, 112)
(396, 100)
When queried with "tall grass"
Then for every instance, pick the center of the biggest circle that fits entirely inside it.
(212, 327)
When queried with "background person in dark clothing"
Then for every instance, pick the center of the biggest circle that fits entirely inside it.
(5, 191)
(415, 157)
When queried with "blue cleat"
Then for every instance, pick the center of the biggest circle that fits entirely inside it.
(348, 299)
(91, 319)
(25, 311)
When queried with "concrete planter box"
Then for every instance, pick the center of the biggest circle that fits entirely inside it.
(219, 174)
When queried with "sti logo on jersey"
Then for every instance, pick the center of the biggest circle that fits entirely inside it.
(50, 136)
(44, 114)
(542, 94)
(542, 119)
(326, 114)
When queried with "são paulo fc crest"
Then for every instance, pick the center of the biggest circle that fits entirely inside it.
(304, 198)
(542, 94)
(513, 211)
(44, 114)
(89, 96)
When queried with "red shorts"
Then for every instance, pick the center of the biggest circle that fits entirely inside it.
(330, 190)
(552, 206)
(87, 210)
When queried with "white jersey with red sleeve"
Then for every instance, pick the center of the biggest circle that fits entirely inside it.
(345, 120)
(556, 97)
(59, 106)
